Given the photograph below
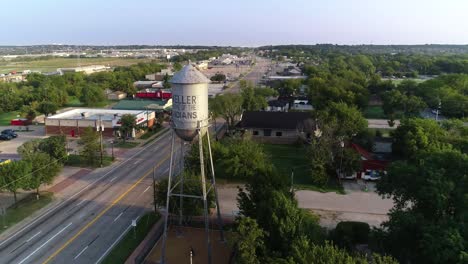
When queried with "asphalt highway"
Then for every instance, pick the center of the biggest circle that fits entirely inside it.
(93, 212)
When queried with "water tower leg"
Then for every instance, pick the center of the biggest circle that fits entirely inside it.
(181, 200)
(166, 216)
(205, 203)
(213, 182)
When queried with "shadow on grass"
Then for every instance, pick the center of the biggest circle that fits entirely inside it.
(24, 208)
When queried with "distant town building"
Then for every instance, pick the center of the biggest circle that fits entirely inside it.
(73, 122)
(85, 69)
(117, 95)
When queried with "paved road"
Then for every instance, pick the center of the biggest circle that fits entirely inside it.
(255, 75)
(92, 213)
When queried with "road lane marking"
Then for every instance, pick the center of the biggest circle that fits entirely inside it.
(81, 252)
(86, 187)
(82, 201)
(113, 179)
(24, 243)
(104, 211)
(31, 238)
(147, 188)
(41, 246)
(118, 216)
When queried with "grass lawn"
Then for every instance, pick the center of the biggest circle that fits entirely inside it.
(374, 112)
(289, 157)
(49, 65)
(75, 161)
(150, 133)
(132, 239)
(398, 81)
(5, 118)
(24, 208)
(126, 144)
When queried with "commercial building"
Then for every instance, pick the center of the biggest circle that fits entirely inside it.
(142, 104)
(85, 69)
(74, 122)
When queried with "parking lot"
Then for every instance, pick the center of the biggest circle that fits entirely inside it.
(8, 148)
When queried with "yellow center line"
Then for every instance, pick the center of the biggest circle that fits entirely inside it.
(103, 212)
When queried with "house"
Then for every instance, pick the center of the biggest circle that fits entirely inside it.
(371, 164)
(117, 95)
(277, 106)
(277, 127)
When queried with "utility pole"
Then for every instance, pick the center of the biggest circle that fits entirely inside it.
(438, 109)
(100, 129)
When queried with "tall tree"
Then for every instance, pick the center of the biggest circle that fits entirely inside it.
(127, 124)
(428, 221)
(248, 240)
(15, 175)
(90, 142)
(228, 106)
(44, 169)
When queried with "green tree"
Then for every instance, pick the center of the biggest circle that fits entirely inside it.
(127, 124)
(177, 66)
(192, 186)
(92, 95)
(248, 240)
(46, 108)
(228, 106)
(250, 100)
(91, 147)
(55, 147)
(28, 148)
(44, 169)
(428, 221)
(14, 176)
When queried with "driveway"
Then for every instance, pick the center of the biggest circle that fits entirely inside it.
(8, 149)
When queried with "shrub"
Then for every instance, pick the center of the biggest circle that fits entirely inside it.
(348, 233)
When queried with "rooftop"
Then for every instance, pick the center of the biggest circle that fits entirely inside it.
(277, 120)
(93, 114)
(189, 75)
(143, 104)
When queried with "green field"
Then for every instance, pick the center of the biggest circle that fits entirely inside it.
(287, 158)
(374, 112)
(75, 161)
(49, 65)
(5, 118)
(23, 209)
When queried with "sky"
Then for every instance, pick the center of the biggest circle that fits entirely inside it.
(234, 22)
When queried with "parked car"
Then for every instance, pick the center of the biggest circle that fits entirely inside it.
(5, 137)
(373, 175)
(10, 132)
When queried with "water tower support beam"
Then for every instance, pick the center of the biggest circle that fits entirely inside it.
(166, 216)
(203, 181)
(213, 184)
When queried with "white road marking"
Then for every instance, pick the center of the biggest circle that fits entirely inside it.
(115, 242)
(41, 246)
(86, 187)
(147, 188)
(118, 216)
(136, 162)
(82, 201)
(113, 179)
(31, 238)
(81, 252)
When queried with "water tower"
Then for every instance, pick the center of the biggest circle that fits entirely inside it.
(190, 119)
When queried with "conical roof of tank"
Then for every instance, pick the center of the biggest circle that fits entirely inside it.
(189, 75)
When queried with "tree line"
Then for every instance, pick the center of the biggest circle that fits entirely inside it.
(46, 94)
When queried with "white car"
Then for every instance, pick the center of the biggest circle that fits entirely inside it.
(373, 175)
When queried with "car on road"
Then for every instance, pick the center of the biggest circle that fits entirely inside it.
(5, 137)
(9, 132)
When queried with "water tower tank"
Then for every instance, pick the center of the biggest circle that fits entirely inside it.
(189, 101)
